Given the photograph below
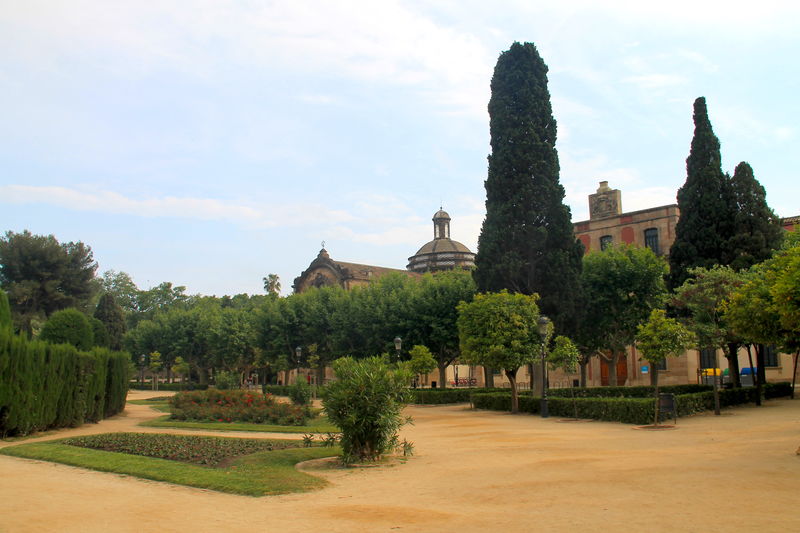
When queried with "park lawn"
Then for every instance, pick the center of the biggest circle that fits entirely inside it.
(157, 404)
(319, 424)
(259, 474)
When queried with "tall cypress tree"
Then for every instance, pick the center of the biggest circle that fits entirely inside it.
(113, 318)
(757, 230)
(527, 243)
(706, 222)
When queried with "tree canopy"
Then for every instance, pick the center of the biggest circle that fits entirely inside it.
(527, 243)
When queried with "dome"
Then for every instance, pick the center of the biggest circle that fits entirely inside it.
(441, 214)
(442, 246)
(442, 253)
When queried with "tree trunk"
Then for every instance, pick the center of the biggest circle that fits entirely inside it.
(584, 365)
(612, 369)
(753, 372)
(442, 375)
(512, 379)
(733, 364)
(654, 380)
(536, 380)
(488, 377)
(320, 375)
(531, 380)
(202, 375)
(716, 384)
(794, 372)
(574, 403)
(762, 374)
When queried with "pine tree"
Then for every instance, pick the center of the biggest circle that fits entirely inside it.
(757, 230)
(706, 223)
(527, 243)
(113, 318)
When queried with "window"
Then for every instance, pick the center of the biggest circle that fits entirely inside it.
(770, 356)
(661, 365)
(651, 240)
(707, 358)
(605, 241)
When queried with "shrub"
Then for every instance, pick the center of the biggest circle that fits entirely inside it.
(300, 392)
(439, 396)
(235, 406)
(366, 403)
(68, 326)
(135, 385)
(226, 380)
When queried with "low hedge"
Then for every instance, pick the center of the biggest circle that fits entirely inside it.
(632, 409)
(642, 391)
(167, 386)
(442, 396)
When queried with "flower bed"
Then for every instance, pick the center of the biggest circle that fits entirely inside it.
(236, 406)
(208, 451)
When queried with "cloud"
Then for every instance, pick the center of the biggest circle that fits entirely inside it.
(173, 207)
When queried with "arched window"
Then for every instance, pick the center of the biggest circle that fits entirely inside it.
(651, 240)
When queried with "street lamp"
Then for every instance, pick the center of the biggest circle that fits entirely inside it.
(398, 344)
(542, 325)
(297, 353)
(141, 370)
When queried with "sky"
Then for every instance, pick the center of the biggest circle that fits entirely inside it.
(209, 143)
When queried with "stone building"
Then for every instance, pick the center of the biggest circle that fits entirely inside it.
(324, 271)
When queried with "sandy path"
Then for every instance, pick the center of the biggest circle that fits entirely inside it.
(473, 471)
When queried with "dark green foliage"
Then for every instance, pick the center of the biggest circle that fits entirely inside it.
(207, 451)
(69, 326)
(527, 243)
(630, 405)
(42, 276)
(366, 402)
(99, 333)
(706, 222)
(300, 392)
(45, 385)
(113, 318)
(5, 311)
(757, 231)
(440, 396)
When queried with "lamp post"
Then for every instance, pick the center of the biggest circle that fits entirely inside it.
(398, 344)
(542, 325)
(297, 353)
(141, 370)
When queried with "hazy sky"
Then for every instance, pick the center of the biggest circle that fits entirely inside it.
(211, 142)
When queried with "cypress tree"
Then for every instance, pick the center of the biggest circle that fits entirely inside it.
(5, 311)
(113, 318)
(706, 223)
(527, 243)
(757, 230)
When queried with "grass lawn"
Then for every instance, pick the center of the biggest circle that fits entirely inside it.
(159, 404)
(318, 425)
(259, 474)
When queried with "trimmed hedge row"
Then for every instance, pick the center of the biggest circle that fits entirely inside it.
(442, 396)
(641, 391)
(135, 385)
(45, 385)
(630, 410)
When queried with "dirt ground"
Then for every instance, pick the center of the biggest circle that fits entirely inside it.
(472, 471)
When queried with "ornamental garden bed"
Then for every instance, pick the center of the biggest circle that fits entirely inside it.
(252, 467)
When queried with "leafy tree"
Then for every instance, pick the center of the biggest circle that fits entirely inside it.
(703, 296)
(421, 362)
(300, 392)
(182, 368)
(433, 314)
(366, 402)
(527, 244)
(661, 337)
(161, 298)
(272, 285)
(155, 365)
(123, 289)
(113, 318)
(757, 231)
(42, 276)
(68, 326)
(499, 330)
(622, 285)
(705, 226)
(566, 356)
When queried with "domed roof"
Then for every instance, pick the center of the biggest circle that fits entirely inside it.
(442, 246)
(441, 214)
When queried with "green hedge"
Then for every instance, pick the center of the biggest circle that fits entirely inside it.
(631, 410)
(642, 391)
(441, 396)
(45, 385)
(135, 385)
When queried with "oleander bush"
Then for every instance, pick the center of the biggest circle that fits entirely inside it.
(207, 451)
(236, 406)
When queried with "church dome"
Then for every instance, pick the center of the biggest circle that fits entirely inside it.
(442, 253)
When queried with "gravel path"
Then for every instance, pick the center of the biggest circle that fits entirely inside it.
(473, 471)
